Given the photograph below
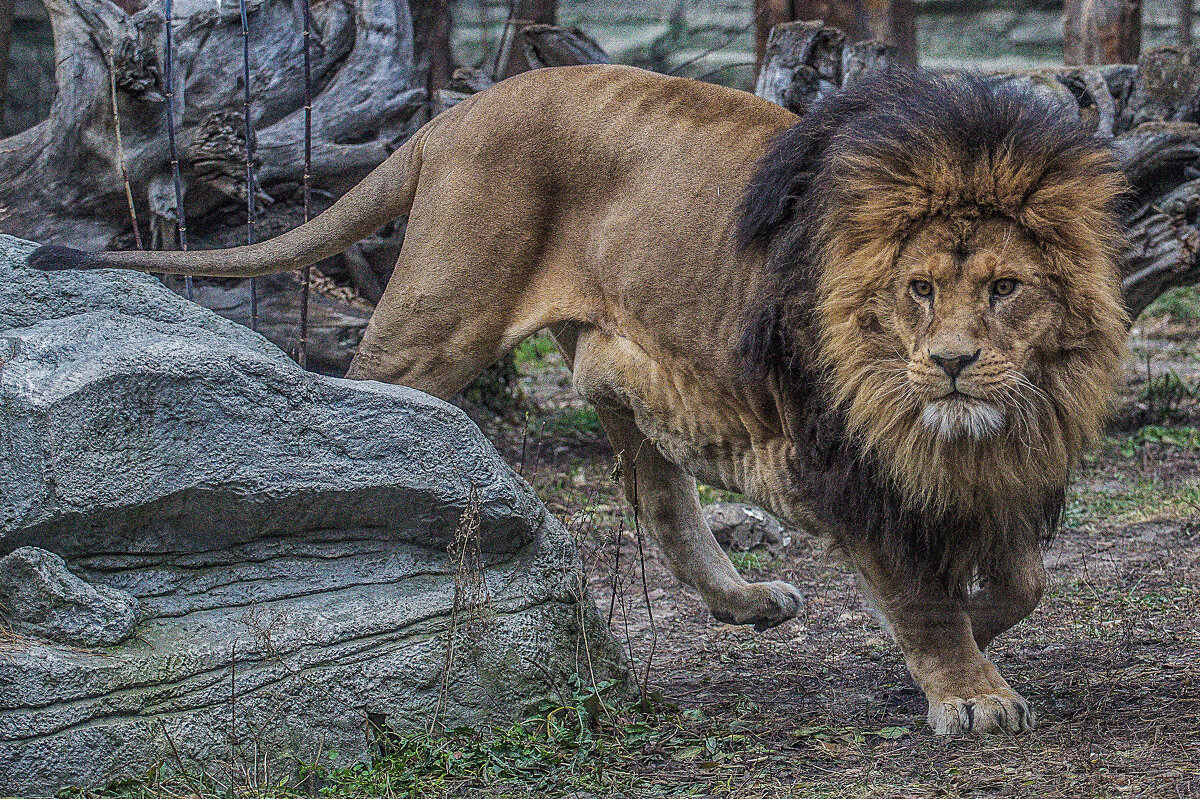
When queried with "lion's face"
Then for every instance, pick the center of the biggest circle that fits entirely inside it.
(971, 307)
(972, 357)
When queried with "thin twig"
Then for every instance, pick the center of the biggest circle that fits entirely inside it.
(179, 760)
(721, 46)
(524, 442)
(170, 92)
(112, 77)
(637, 530)
(616, 569)
(251, 211)
(232, 713)
(306, 275)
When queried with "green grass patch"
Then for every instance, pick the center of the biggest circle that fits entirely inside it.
(1186, 438)
(1181, 303)
(754, 560)
(534, 349)
(576, 421)
(709, 495)
(1141, 501)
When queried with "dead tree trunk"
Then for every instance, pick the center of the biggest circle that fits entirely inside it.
(893, 22)
(432, 24)
(1102, 31)
(523, 14)
(6, 23)
(1150, 112)
(60, 181)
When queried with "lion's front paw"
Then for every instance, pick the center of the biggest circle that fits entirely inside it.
(994, 712)
(765, 605)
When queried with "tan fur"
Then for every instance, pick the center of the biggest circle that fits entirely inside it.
(601, 203)
(1061, 236)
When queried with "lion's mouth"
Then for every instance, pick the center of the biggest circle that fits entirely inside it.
(956, 414)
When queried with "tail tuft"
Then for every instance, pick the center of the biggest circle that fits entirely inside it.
(51, 258)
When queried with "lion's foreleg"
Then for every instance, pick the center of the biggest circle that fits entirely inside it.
(667, 506)
(965, 691)
(1009, 593)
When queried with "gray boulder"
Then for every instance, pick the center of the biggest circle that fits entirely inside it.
(312, 557)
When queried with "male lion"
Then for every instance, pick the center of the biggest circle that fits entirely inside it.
(895, 320)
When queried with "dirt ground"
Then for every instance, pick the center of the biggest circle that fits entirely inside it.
(823, 706)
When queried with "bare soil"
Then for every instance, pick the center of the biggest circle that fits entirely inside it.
(823, 706)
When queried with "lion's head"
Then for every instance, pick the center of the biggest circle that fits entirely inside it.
(950, 244)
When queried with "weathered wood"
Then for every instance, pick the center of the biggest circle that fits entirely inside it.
(767, 15)
(858, 58)
(60, 181)
(803, 63)
(1167, 87)
(1101, 31)
(335, 319)
(893, 22)
(1183, 23)
(522, 14)
(543, 46)
(1165, 250)
(552, 46)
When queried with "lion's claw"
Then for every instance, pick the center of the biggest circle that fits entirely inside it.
(986, 713)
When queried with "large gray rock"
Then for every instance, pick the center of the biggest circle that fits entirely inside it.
(308, 553)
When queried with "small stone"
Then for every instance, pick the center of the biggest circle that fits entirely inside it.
(41, 598)
(741, 527)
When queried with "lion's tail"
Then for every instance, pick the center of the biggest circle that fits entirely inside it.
(383, 195)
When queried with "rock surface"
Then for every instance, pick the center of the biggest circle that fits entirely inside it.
(309, 554)
(743, 527)
(40, 597)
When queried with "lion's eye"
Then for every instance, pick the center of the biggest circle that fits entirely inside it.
(922, 288)
(1004, 286)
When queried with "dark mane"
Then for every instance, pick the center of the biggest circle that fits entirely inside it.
(869, 164)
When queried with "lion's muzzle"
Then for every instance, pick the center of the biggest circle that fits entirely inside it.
(959, 415)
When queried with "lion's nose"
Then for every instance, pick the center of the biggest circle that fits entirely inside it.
(954, 364)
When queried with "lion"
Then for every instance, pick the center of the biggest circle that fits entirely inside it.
(896, 320)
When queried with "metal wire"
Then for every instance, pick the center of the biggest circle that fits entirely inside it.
(251, 210)
(307, 271)
(170, 92)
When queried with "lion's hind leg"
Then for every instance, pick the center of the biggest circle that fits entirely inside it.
(664, 496)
